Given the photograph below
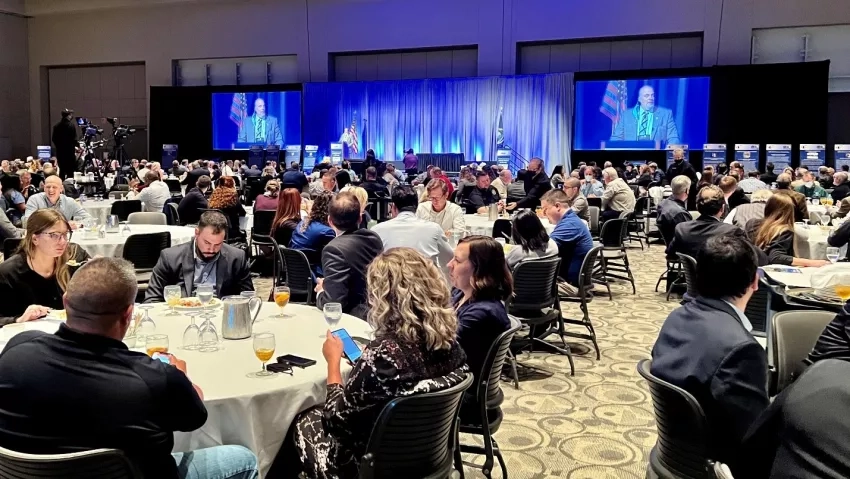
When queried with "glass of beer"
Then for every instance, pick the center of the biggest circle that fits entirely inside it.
(172, 298)
(539, 211)
(843, 291)
(264, 350)
(281, 298)
(156, 343)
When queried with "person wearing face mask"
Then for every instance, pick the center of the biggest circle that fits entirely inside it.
(783, 187)
(811, 188)
(536, 183)
(590, 187)
(680, 167)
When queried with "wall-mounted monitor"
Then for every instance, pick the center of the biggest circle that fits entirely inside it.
(243, 119)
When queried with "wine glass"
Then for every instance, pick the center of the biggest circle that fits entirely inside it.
(156, 343)
(172, 298)
(281, 298)
(208, 334)
(192, 334)
(264, 350)
(146, 325)
(205, 294)
(333, 313)
(824, 219)
(832, 254)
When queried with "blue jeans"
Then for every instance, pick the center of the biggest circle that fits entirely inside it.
(220, 462)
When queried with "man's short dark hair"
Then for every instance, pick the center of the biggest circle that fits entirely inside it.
(726, 267)
(404, 197)
(753, 174)
(213, 219)
(769, 167)
(710, 200)
(344, 211)
(481, 173)
(204, 182)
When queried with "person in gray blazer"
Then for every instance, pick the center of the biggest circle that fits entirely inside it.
(647, 122)
(204, 260)
(347, 257)
(260, 128)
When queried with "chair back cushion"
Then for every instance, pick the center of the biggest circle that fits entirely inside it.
(793, 335)
(123, 208)
(689, 267)
(99, 463)
(535, 285)
(143, 249)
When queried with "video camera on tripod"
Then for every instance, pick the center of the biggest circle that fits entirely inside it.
(120, 131)
(90, 133)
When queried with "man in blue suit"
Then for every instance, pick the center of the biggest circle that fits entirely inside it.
(647, 122)
(260, 128)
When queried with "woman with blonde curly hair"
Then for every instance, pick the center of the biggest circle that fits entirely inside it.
(414, 350)
(225, 199)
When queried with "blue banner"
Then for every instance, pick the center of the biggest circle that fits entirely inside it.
(780, 156)
(43, 153)
(748, 156)
(713, 154)
(503, 157)
(336, 153)
(293, 153)
(842, 156)
(309, 157)
(812, 156)
(671, 148)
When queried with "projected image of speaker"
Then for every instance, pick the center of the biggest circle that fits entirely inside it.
(241, 120)
(641, 114)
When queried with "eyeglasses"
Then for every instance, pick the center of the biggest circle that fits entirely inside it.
(58, 236)
(435, 199)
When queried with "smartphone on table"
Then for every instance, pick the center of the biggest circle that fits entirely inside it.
(296, 361)
(349, 347)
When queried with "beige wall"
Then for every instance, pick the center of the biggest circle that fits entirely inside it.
(233, 28)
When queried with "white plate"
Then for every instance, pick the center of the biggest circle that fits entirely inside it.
(212, 305)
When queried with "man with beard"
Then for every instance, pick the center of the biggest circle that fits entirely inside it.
(65, 140)
(205, 260)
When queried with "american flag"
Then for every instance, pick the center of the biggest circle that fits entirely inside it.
(238, 109)
(352, 139)
(614, 100)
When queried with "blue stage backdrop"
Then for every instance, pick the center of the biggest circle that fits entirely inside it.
(457, 115)
(282, 126)
(680, 106)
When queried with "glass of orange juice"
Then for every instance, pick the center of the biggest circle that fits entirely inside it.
(264, 346)
(156, 343)
(281, 298)
(172, 298)
(843, 291)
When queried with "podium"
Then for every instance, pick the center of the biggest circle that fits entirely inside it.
(630, 145)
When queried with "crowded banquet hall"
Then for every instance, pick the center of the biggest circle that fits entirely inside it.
(530, 239)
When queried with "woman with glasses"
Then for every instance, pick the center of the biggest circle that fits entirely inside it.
(438, 209)
(33, 280)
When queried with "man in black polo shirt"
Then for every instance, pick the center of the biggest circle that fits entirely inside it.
(82, 389)
(482, 196)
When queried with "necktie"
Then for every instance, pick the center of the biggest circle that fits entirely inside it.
(644, 124)
(261, 129)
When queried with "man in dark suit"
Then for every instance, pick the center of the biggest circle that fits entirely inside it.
(673, 210)
(536, 183)
(734, 195)
(346, 258)
(647, 122)
(190, 206)
(769, 176)
(690, 236)
(373, 187)
(294, 177)
(65, 138)
(205, 260)
(803, 433)
(252, 172)
(260, 128)
(192, 176)
(705, 346)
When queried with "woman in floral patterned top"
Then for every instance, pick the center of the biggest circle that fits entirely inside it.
(414, 351)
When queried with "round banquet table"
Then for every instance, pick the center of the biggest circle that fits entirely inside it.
(113, 243)
(481, 225)
(811, 241)
(98, 209)
(251, 412)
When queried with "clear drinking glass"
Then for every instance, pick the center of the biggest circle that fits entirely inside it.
(208, 334)
(205, 294)
(264, 346)
(832, 254)
(156, 343)
(333, 313)
(146, 325)
(192, 334)
(281, 298)
(172, 298)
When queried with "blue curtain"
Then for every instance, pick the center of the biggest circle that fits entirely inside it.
(457, 115)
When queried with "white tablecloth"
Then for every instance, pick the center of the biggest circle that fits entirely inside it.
(247, 222)
(480, 225)
(810, 242)
(98, 209)
(251, 412)
(113, 244)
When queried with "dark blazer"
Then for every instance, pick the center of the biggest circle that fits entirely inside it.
(834, 341)
(690, 236)
(535, 187)
(344, 262)
(704, 349)
(293, 179)
(252, 173)
(192, 177)
(804, 431)
(671, 212)
(190, 206)
(768, 178)
(841, 191)
(738, 197)
(176, 265)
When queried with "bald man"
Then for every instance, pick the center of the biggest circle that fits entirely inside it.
(260, 127)
(647, 122)
(54, 197)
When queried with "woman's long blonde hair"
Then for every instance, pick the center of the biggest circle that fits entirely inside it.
(38, 223)
(778, 218)
(409, 300)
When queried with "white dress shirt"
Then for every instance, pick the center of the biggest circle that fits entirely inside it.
(450, 219)
(408, 231)
(153, 197)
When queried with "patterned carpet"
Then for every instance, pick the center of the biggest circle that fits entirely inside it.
(599, 423)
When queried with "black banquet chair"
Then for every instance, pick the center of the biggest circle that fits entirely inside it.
(100, 463)
(416, 436)
(792, 336)
(292, 269)
(689, 268)
(122, 209)
(585, 296)
(614, 262)
(143, 251)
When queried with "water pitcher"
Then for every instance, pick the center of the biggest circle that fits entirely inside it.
(237, 317)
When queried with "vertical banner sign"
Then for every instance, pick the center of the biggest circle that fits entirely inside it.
(842, 156)
(336, 153)
(43, 153)
(812, 156)
(780, 156)
(169, 154)
(713, 154)
(256, 156)
(670, 149)
(310, 152)
(748, 156)
(293, 153)
(273, 153)
(503, 158)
